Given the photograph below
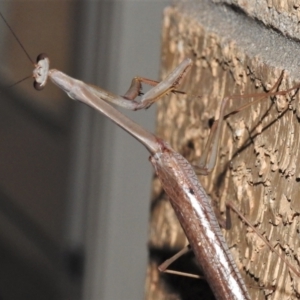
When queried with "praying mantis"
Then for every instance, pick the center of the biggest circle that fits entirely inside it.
(52, 74)
(187, 196)
(174, 172)
(159, 151)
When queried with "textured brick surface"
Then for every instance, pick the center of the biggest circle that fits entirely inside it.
(258, 163)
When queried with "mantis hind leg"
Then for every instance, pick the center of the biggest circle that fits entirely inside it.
(164, 266)
(209, 156)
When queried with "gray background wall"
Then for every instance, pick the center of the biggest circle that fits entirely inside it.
(82, 188)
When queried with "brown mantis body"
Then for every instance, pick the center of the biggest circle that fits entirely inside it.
(188, 198)
(177, 176)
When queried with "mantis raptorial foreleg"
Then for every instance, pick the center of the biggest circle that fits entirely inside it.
(135, 90)
(171, 82)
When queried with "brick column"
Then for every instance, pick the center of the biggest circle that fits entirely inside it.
(258, 167)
